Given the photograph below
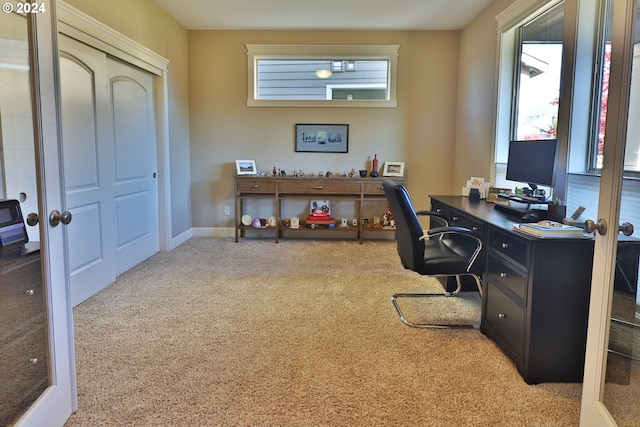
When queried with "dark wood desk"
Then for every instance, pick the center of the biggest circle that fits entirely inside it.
(535, 300)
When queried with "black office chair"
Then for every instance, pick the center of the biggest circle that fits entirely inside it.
(442, 251)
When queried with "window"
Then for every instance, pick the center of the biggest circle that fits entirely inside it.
(529, 70)
(632, 153)
(537, 77)
(322, 76)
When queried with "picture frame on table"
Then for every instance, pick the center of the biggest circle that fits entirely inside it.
(322, 138)
(246, 167)
(393, 169)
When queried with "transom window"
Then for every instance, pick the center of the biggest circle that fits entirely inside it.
(322, 76)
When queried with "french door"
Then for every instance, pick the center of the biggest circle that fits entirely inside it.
(610, 393)
(31, 174)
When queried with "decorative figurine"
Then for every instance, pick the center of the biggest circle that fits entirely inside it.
(275, 172)
(387, 218)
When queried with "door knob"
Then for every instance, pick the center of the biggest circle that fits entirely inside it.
(55, 217)
(591, 226)
(626, 228)
(33, 219)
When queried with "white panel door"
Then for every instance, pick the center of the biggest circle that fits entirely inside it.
(135, 186)
(109, 146)
(88, 167)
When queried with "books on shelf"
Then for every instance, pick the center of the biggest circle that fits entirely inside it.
(548, 228)
(320, 220)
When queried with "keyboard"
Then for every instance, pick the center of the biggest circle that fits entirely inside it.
(522, 197)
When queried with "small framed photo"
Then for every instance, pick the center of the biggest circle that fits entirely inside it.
(393, 169)
(322, 138)
(246, 167)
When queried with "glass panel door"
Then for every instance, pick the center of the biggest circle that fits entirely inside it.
(23, 334)
(612, 370)
(622, 376)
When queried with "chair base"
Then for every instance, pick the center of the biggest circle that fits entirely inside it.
(394, 300)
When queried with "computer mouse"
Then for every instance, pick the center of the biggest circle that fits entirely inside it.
(530, 217)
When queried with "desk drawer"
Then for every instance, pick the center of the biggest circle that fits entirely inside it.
(442, 209)
(460, 220)
(506, 318)
(256, 186)
(508, 276)
(319, 187)
(510, 246)
(373, 188)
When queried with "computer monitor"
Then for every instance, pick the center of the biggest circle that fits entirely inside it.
(533, 162)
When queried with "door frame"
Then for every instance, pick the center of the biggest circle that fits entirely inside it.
(593, 411)
(82, 27)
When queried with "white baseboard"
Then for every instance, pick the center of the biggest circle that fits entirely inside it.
(225, 232)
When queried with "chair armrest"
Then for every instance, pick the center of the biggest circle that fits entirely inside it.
(455, 230)
(435, 214)
(461, 231)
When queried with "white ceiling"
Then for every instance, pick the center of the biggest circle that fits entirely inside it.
(323, 14)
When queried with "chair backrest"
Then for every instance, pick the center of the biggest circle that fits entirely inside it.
(408, 228)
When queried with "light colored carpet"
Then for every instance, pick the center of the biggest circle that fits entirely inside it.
(298, 333)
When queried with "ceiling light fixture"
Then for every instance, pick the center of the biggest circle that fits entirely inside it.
(323, 74)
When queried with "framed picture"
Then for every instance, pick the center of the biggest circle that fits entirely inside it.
(393, 169)
(322, 138)
(246, 167)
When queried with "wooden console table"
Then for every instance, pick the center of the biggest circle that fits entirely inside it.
(279, 188)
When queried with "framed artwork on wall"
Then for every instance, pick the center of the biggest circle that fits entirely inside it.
(393, 169)
(246, 167)
(322, 138)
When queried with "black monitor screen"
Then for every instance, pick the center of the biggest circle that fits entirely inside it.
(533, 162)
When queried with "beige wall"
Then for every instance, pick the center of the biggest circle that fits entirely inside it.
(442, 127)
(147, 24)
(420, 131)
(475, 115)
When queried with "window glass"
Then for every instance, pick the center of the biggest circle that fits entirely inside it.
(632, 153)
(322, 79)
(322, 75)
(537, 78)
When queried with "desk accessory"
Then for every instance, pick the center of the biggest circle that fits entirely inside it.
(478, 183)
(547, 228)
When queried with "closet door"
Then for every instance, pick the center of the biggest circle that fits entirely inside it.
(88, 158)
(109, 146)
(135, 186)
